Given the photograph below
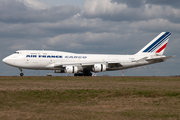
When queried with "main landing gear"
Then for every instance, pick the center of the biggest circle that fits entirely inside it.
(21, 74)
(86, 73)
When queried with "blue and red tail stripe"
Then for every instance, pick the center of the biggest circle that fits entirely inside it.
(162, 48)
(158, 43)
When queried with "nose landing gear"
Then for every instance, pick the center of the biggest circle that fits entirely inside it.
(21, 74)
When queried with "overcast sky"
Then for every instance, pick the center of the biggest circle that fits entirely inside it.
(90, 26)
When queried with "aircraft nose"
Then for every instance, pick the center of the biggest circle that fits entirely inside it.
(8, 61)
(4, 60)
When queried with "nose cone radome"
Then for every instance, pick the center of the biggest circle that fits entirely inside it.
(4, 60)
(7, 61)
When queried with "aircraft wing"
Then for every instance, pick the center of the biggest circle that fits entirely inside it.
(117, 64)
(59, 65)
(90, 64)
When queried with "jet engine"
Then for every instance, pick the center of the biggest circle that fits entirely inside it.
(99, 68)
(71, 69)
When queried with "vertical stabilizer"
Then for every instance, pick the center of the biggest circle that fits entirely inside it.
(157, 45)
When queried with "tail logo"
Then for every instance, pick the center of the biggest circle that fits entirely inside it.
(162, 48)
(159, 44)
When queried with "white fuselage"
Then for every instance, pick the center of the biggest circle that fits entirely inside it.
(44, 60)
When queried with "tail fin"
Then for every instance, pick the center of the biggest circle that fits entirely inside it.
(157, 45)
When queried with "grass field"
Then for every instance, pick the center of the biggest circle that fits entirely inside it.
(89, 98)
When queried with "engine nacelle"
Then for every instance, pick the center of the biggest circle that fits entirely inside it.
(99, 68)
(71, 69)
(59, 71)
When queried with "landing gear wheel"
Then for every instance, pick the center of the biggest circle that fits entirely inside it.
(87, 73)
(78, 74)
(21, 74)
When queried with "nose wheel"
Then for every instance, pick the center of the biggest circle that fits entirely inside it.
(21, 74)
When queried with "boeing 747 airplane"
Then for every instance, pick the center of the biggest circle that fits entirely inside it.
(85, 64)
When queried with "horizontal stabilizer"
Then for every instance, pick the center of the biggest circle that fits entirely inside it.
(162, 59)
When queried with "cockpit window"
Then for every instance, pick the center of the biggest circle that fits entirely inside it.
(16, 52)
